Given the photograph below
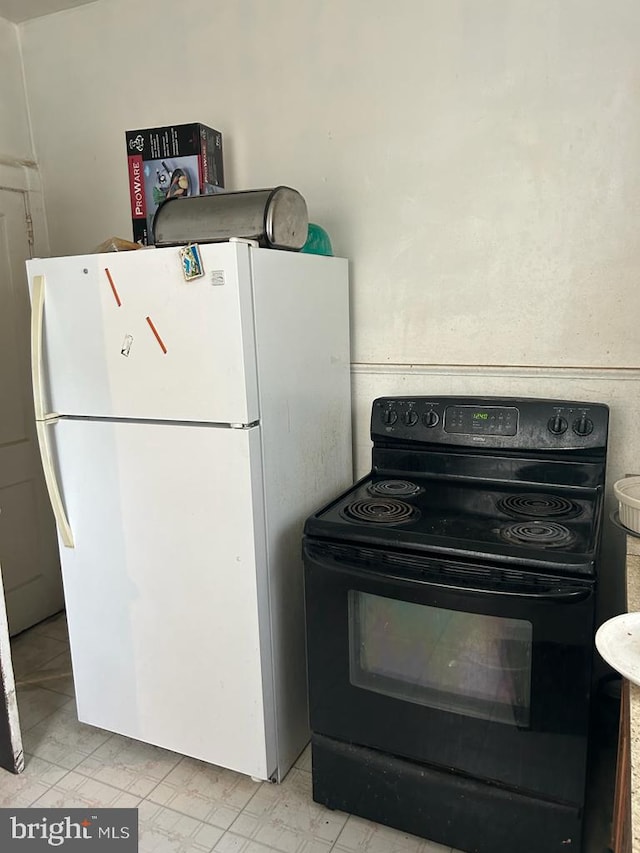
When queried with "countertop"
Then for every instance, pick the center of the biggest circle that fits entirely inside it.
(633, 604)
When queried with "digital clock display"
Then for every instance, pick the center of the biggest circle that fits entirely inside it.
(469, 420)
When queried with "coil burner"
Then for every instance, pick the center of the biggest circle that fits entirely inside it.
(394, 488)
(542, 534)
(538, 506)
(380, 511)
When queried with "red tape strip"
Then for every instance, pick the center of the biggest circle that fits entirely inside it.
(155, 332)
(113, 288)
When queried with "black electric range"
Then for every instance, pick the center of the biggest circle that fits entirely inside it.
(450, 602)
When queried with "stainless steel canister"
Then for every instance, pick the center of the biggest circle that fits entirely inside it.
(277, 218)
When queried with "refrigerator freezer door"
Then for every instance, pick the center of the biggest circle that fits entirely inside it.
(165, 589)
(126, 336)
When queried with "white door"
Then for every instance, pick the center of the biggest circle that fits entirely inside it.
(28, 551)
(11, 752)
(126, 336)
(166, 594)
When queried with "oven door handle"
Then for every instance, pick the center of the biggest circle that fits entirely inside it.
(560, 594)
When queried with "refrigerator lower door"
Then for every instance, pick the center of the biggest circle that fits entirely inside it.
(165, 589)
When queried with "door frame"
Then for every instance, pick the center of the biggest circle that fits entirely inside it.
(17, 176)
(11, 750)
(23, 176)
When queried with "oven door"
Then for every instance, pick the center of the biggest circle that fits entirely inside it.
(482, 671)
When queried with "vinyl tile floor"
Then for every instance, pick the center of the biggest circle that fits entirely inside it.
(184, 806)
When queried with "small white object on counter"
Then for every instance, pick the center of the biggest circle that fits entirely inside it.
(618, 641)
(627, 491)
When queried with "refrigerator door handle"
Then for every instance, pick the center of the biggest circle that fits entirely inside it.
(43, 421)
(37, 316)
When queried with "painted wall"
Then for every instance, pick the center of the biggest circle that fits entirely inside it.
(15, 140)
(476, 161)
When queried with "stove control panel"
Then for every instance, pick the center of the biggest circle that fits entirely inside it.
(481, 420)
(518, 423)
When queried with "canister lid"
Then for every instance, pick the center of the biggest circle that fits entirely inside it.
(286, 219)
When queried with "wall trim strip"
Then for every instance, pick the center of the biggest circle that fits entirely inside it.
(604, 374)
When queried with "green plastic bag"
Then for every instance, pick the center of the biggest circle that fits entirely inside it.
(318, 241)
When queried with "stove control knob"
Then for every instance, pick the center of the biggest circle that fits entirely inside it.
(410, 418)
(583, 426)
(430, 419)
(557, 425)
(389, 417)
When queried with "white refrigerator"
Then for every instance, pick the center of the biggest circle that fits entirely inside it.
(186, 429)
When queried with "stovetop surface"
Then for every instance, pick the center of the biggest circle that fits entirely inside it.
(513, 481)
(525, 524)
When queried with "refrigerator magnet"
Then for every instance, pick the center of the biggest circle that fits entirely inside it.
(126, 345)
(191, 262)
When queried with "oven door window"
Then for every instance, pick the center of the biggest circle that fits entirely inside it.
(465, 663)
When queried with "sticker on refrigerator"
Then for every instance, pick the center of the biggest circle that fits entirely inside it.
(191, 262)
(126, 345)
(216, 277)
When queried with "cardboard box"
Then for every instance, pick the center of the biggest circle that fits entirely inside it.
(181, 160)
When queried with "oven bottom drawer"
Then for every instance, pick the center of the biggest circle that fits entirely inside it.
(452, 810)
